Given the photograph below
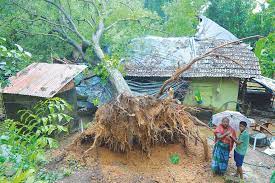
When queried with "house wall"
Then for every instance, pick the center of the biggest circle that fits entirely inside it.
(217, 93)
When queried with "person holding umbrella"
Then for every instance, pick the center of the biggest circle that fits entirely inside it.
(224, 135)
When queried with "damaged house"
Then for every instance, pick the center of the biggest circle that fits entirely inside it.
(213, 81)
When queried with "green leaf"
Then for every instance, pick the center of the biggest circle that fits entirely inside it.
(28, 54)
(19, 47)
(51, 128)
(62, 128)
(22, 176)
(259, 46)
(44, 121)
(60, 117)
(67, 117)
(42, 141)
(51, 108)
(174, 159)
(52, 143)
(2, 159)
(3, 39)
(38, 132)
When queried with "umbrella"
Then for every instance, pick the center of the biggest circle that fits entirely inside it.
(234, 119)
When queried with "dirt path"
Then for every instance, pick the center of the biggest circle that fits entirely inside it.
(260, 166)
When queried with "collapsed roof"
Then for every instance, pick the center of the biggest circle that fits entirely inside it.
(153, 56)
(159, 57)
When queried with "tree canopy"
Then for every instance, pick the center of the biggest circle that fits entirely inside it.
(88, 30)
(238, 17)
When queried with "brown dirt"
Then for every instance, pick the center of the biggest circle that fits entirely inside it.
(106, 166)
(103, 165)
(132, 139)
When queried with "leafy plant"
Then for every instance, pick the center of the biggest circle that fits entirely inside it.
(111, 62)
(181, 17)
(44, 119)
(96, 101)
(174, 159)
(221, 12)
(246, 21)
(11, 60)
(23, 142)
(265, 51)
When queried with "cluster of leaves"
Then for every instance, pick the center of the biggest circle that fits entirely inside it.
(221, 12)
(245, 22)
(23, 142)
(156, 6)
(109, 62)
(52, 176)
(11, 61)
(174, 159)
(265, 51)
(181, 17)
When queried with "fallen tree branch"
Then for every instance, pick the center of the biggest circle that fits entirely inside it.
(209, 53)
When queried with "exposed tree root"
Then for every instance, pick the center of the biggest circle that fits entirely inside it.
(129, 123)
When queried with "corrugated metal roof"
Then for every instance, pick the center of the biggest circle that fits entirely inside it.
(266, 82)
(42, 79)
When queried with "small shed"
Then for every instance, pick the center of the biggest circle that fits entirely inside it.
(40, 81)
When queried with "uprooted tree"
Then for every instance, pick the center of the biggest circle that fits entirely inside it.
(130, 122)
(127, 122)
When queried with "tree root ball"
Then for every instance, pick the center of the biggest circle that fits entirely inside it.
(129, 122)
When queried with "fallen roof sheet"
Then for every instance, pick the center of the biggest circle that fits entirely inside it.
(42, 79)
(266, 82)
(208, 29)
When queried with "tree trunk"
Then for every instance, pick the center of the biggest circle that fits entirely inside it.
(115, 77)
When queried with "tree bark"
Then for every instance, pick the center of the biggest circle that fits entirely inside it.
(116, 78)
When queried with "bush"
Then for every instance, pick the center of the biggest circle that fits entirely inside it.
(23, 143)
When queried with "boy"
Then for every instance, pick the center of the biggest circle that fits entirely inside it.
(241, 148)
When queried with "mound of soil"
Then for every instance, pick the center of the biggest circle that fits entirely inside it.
(103, 165)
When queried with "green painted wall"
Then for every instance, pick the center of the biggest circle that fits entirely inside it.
(217, 93)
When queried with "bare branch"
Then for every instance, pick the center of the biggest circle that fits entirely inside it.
(100, 29)
(41, 33)
(128, 6)
(125, 20)
(226, 57)
(94, 5)
(70, 41)
(232, 42)
(68, 17)
(88, 22)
